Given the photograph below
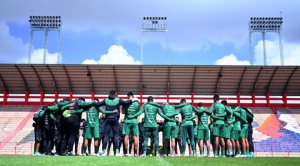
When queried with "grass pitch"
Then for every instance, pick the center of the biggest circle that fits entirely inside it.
(142, 161)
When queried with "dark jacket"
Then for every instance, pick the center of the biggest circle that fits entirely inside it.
(112, 107)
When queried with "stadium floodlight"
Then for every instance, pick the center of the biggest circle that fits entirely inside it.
(46, 24)
(264, 25)
(154, 24)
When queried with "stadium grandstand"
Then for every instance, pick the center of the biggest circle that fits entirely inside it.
(271, 92)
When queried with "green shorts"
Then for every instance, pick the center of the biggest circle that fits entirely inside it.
(203, 134)
(92, 132)
(217, 129)
(226, 131)
(235, 134)
(170, 132)
(244, 132)
(130, 128)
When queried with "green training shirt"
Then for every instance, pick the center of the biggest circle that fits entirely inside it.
(131, 109)
(218, 108)
(187, 114)
(150, 112)
(202, 119)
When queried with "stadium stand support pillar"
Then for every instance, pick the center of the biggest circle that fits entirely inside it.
(284, 99)
(192, 98)
(5, 97)
(168, 97)
(93, 95)
(238, 98)
(253, 99)
(26, 97)
(71, 95)
(268, 99)
(42, 97)
(141, 98)
(56, 95)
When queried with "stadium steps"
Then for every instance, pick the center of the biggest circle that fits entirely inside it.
(289, 116)
(271, 126)
(10, 141)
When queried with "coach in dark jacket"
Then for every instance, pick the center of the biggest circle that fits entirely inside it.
(112, 121)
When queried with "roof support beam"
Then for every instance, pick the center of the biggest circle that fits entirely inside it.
(288, 81)
(194, 77)
(91, 79)
(54, 81)
(241, 79)
(3, 83)
(70, 85)
(40, 82)
(218, 79)
(271, 79)
(254, 86)
(24, 81)
(116, 81)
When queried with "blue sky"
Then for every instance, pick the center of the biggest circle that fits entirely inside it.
(109, 32)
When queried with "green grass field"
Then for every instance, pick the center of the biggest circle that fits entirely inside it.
(142, 161)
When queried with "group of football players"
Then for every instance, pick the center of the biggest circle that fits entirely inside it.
(227, 128)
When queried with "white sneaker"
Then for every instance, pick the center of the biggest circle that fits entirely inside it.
(238, 155)
(200, 155)
(209, 155)
(103, 154)
(173, 155)
(157, 155)
(164, 155)
(118, 155)
(143, 155)
(38, 154)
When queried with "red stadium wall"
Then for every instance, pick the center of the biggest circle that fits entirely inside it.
(248, 101)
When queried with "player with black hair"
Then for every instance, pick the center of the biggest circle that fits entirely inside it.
(228, 128)
(203, 130)
(131, 124)
(112, 103)
(150, 124)
(38, 130)
(218, 113)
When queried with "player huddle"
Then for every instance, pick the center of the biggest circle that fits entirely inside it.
(222, 126)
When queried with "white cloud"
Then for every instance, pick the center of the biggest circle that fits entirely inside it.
(231, 60)
(12, 47)
(89, 61)
(116, 55)
(37, 57)
(291, 53)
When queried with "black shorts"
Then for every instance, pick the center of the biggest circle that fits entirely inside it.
(38, 133)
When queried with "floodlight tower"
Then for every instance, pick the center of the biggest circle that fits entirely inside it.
(264, 25)
(154, 24)
(46, 24)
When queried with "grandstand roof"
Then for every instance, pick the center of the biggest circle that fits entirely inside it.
(151, 79)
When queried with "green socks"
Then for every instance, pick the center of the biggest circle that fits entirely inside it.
(173, 152)
(96, 149)
(201, 152)
(84, 150)
(215, 153)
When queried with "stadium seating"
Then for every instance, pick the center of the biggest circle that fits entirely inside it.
(16, 123)
(283, 133)
(274, 133)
